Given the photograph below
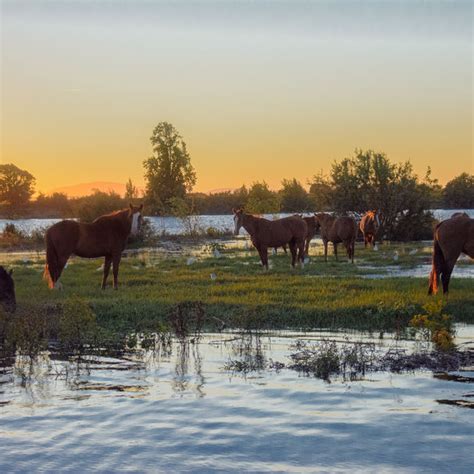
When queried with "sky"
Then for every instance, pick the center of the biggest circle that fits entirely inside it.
(259, 90)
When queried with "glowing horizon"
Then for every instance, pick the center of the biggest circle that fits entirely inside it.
(259, 91)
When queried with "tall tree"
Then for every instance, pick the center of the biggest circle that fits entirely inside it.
(370, 181)
(131, 191)
(459, 192)
(168, 172)
(261, 199)
(16, 185)
(320, 192)
(294, 197)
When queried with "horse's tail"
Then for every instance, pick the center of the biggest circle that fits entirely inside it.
(437, 268)
(51, 269)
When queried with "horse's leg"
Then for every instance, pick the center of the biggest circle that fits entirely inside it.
(264, 256)
(306, 246)
(325, 242)
(366, 240)
(335, 250)
(292, 245)
(446, 272)
(301, 252)
(115, 268)
(352, 250)
(107, 263)
(59, 270)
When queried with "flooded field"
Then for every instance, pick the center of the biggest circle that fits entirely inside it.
(176, 226)
(183, 408)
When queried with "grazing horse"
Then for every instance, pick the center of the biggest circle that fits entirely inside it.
(451, 238)
(7, 291)
(265, 233)
(336, 230)
(104, 237)
(369, 225)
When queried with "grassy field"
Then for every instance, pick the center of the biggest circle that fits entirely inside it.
(234, 290)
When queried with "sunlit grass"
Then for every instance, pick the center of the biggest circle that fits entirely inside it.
(331, 294)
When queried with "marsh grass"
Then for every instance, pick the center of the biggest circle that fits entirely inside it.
(232, 291)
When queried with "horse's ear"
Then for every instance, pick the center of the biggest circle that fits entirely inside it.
(131, 206)
(10, 272)
(141, 207)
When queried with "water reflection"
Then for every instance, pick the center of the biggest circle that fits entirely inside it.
(179, 409)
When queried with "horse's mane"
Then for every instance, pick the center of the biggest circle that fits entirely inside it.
(112, 215)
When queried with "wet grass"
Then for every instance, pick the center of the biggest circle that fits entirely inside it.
(232, 291)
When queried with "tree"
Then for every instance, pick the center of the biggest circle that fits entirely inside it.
(97, 204)
(16, 186)
(370, 181)
(261, 199)
(320, 192)
(459, 192)
(168, 172)
(131, 191)
(55, 205)
(294, 197)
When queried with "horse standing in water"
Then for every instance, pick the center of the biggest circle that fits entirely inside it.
(451, 238)
(104, 237)
(369, 225)
(336, 230)
(7, 291)
(265, 233)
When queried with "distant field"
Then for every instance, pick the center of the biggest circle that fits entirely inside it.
(234, 290)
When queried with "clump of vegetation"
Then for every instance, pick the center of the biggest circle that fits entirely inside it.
(187, 319)
(435, 325)
(326, 359)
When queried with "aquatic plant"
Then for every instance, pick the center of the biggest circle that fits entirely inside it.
(435, 325)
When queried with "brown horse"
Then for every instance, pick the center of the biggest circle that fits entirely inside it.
(7, 291)
(105, 237)
(336, 230)
(369, 225)
(451, 238)
(313, 227)
(265, 233)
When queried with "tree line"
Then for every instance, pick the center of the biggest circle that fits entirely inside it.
(366, 180)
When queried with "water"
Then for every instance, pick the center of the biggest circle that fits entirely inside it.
(174, 226)
(185, 412)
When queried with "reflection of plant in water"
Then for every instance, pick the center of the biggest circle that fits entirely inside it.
(248, 349)
(181, 380)
(436, 326)
(187, 318)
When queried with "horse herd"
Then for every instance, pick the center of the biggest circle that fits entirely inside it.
(107, 237)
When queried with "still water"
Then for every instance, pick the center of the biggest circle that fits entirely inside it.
(174, 226)
(184, 411)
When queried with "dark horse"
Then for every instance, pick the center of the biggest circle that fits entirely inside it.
(451, 238)
(336, 230)
(369, 225)
(7, 291)
(265, 233)
(105, 237)
(313, 226)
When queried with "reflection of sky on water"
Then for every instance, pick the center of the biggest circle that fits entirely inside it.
(174, 226)
(192, 415)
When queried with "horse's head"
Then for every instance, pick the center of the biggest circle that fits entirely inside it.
(135, 216)
(238, 220)
(7, 290)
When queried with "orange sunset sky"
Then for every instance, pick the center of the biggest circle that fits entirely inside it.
(258, 90)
